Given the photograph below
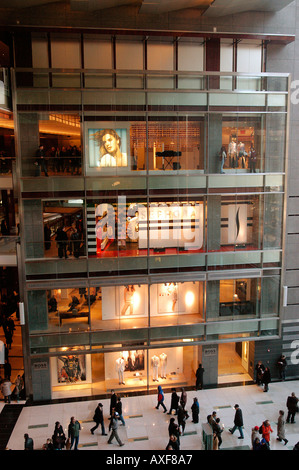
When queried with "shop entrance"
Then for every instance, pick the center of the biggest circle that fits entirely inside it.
(233, 362)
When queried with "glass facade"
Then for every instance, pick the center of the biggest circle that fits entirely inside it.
(152, 204)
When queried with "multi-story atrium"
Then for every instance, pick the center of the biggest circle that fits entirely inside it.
(148, 186)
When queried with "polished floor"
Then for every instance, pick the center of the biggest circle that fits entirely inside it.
(146, 428)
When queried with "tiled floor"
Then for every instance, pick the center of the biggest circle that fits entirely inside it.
(147, 428)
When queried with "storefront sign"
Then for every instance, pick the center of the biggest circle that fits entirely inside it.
(210, 352)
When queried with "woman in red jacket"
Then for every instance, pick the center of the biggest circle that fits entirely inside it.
(266, 432)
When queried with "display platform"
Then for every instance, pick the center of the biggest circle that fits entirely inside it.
(140, 383)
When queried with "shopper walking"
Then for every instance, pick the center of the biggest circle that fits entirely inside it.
(6, 390)
(238, 422)
(161, 399)
(183, 399)
(266, 430)
(292, 406)
(119, 410)
(113, 401)
(181, 419)
(266, 379)
(218, 429)
(74, 429)
(114, 429)
(255, 435)
(281, 428)
(98, 419)
(173, 429)
(174, 402)
(19, 384)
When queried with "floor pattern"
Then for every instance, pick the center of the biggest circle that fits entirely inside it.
(147, 428)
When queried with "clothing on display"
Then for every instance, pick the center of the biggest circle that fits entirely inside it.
(163, 361)
(120, 366)
(155, 365)
(128, 300)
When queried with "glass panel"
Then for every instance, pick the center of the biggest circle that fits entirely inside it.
(174, 303)
(236, 143)
(273, 220)
(270, 298)
(275, 126)
(234, 223)
(233, 298)
(176, 143)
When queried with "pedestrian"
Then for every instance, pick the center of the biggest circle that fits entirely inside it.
(173, 429)
(58, 437)
(256, 445)
(254, 434)
(281, 428)
(259, 368)
(195, 410)
(215, 442)
(282, 365)
(173, 443)
(218, 429)
(119, 409)
(6, 390)
(199, 377)
(98, 418)
(7, 369)
(183, 399)
(211, 419)
(266, 379)
(28, 444)
(174, 402)
(74, 429)
(292, 406)
(161, 399)
(266, 430)
(238, 422)
(19, 384)
(181, 419)
(114, 428)
(113, 401)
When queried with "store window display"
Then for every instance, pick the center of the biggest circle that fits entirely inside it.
(155, 367)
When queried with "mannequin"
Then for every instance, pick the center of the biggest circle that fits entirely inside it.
(232, 151)
(163, 362)
(128, 300)
(120, 367)
(155, 364)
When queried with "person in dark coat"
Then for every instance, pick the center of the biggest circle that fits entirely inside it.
(61, 238)
(58, 437)
(266, 379)
(173, 443)
(174, 402)
(292, 406)
(173, 429)
(181, 418)
(282, 365)
(238, 422)
(195, 410)
(113, 401)
(98, 419)
(260, 369)
(199, 377)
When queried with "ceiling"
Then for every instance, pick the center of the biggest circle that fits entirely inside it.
(211, 8)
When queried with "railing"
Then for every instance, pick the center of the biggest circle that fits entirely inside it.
(149, 79)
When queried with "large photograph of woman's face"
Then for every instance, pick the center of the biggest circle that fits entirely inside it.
(107, 147)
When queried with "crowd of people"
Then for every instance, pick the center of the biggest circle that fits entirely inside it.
(59, 160)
